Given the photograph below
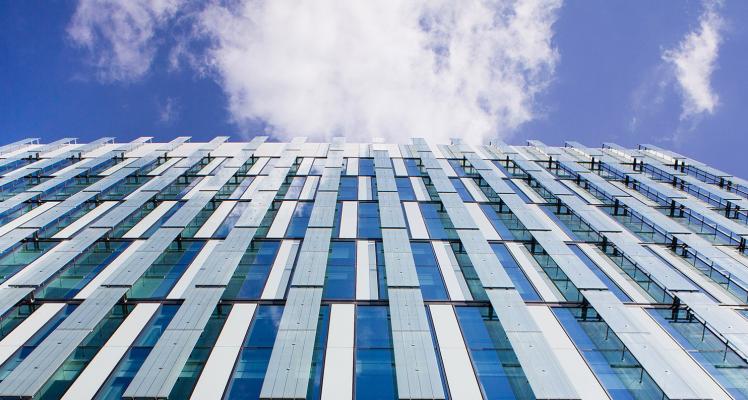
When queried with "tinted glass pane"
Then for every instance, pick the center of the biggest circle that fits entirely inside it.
(457, 167)
(340, 275)
(600, 273)
(518, 277)
(231, 219)
(615, 368)
(437, 222)
(375, 361)
(429, 276)
(412, 167)
(299, 220)
(461, 189)
(348, 188)
(251, 274)
(368, 221)
(249, 372)
(125, 371)
(161, 276)
(405, 189)
(366, 166)
(494, 361)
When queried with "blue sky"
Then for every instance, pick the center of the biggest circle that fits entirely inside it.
(578, 70)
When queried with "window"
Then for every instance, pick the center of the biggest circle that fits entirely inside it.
(461, 189)
(200, 353)
(600, 274)
(437, 222)
(366, 166)
(348, 188)
(340, 275)
(246, 380)
(405, 189)
(496, 366)
(375, 361)
(457, 167)
(616, 369)
(429, 276)
(294, 188)
(163, 274)
(411, 166)
(299, 220)
(230, 220)
(368, 221)
(314, 389)
(123, 374)
(251, 274)
(518, 277)
(78, 273)
(498, 221)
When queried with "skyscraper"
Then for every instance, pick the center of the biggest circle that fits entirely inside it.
(338, 270)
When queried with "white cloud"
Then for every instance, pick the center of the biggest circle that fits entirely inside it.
(391, 69)
(694, 60)
(169, 111)
(359, 68)
(120, 35)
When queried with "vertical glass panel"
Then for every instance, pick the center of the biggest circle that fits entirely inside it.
(561, 224)
(498, 221)
(249, 372)
(131, 362)
(375, 360)
(427, 268)
(199, 356)
(518, 277)
(252, 272)
(161, 276)
(496, 366)
(317, 166)
(340, 274)
(405, 189)
(411, 165)
(461, 189)
(230, 220)
(242, 187)
(348, 188)
(437, 221)
(293, 190)
(381, 271)
(299, 220)
(366, 167)
(599, 273)
(368, 221)
(615, 367)
(468, 271)
(457, 166)
(318, 356)
(122, 189)
(199, 220)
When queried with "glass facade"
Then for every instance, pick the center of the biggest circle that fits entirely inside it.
(248, 270)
